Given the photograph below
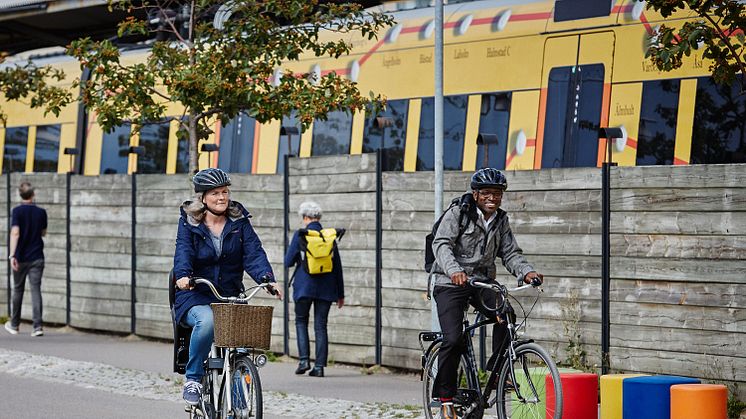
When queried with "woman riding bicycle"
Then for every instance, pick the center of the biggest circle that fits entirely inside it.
(468, 251)
(216, 241)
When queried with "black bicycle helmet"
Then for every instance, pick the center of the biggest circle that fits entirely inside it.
(208, 179)
(488, 178)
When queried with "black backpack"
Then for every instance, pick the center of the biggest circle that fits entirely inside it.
(466, 204)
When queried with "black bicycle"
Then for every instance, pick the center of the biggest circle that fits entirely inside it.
(519, 375)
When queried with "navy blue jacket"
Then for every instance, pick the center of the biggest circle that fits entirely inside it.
(327, 287)
(195, 256)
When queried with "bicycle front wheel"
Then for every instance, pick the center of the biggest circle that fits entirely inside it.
(468, 388)
(246, 391)
(521, 389)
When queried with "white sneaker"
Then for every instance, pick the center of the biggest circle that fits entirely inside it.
(37, 332)
(12, 330)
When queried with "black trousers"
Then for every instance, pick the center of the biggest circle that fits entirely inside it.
(452, 301)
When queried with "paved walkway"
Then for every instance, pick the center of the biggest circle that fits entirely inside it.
(142, 368)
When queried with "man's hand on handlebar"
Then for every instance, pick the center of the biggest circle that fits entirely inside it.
(184, 283)
(534, 278)
(459, 278)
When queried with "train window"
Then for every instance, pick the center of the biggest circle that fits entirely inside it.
(154, 137)
(333, 135)
(115, 150)
(294, 138)
(494, 117)
(47, 148)
(389, 139)
(581, 9)
(719, 130)
(573, 115)
(658, 114)
(454, 128)
(14, 159)
(236, 153)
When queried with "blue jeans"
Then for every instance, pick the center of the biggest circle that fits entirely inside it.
(203, 331)
(320, 314)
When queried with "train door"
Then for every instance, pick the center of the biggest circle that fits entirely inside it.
(574, 100)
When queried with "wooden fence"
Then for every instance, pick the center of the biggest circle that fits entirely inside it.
(678, 242)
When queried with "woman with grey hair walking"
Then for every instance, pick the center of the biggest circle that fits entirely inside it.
(319, 290)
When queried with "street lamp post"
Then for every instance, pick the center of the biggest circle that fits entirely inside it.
(137, 151)
(289, 131)
(486, 140)
(209, 148)
(610, 134)
(72, 152)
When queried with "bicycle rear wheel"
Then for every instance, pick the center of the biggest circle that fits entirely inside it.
(246, 391)
(526, 396)
(467, 387)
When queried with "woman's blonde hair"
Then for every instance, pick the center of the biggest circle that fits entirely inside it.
(197, 210)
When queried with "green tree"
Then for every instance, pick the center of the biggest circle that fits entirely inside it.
(26, 81)
(719, 31)
(219, 70)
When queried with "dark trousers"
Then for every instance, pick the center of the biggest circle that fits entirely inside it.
(33, 270)
(452, 301)
(320, 315)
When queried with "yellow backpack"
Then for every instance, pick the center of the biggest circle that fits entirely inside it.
(317, 249)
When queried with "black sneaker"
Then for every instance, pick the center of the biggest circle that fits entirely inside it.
(192, 392)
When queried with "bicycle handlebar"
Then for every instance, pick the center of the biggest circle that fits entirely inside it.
(240, 300)
(500, 289)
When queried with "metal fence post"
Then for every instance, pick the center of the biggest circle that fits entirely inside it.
(285, 270)
(68, 247)
(133, 269)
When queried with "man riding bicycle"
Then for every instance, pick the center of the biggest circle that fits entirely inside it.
(467, 247)
(215, 241)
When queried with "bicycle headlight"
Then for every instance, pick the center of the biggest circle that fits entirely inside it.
(261, 360)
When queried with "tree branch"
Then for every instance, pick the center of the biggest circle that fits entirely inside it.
(726, 41)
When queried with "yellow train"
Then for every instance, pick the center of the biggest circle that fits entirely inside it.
(540, 77)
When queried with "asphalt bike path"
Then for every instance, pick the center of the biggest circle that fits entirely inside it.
(70, 373)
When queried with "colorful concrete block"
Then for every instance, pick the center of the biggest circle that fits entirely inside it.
(650, 397)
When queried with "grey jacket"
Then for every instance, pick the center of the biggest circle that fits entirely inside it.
(476, 250)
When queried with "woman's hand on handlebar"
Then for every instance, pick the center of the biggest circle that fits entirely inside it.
(534, 278)
(184, 283)
(274, 291)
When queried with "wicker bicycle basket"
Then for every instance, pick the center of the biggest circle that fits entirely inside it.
(242, 325)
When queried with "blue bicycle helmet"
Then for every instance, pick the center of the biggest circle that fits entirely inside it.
(208, 179)
(488, 178)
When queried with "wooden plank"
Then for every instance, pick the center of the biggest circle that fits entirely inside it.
(678, 316)
(652, 361)
(101, 182)
(100, 260)
(333, 183)
(100, 213)
(118, 245)
(105, 198)
(679, 222)
(704, 293)
(658, 199)
(350, 202)
(360, 163)
(100, 322)
(670, 340)
(100, 229)
(573, 200)
(545, 179)
(103, 275)
(689, 247)
(688, 177)
(666, 269)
